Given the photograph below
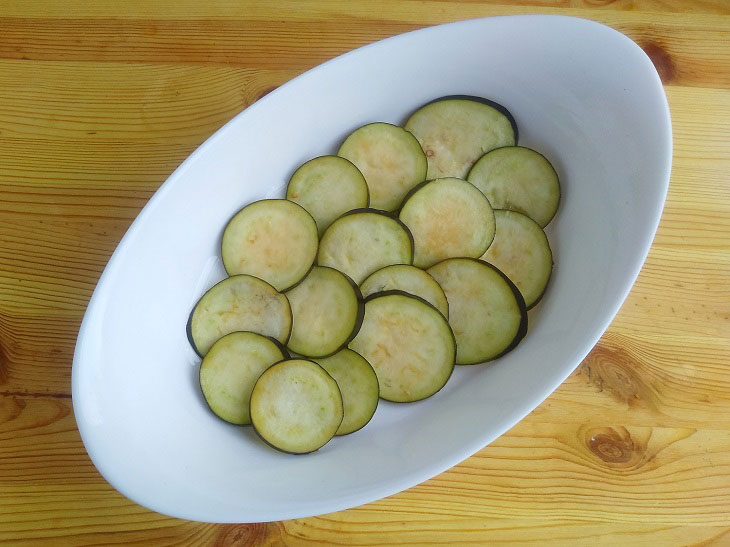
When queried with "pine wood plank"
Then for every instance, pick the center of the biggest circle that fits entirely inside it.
(578, 478)
(113, 102)
(100, 101)
(319, 9)
(688, 48)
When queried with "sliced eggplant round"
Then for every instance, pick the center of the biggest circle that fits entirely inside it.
(456, 131)
(365, 240)
(522, 252)
(486, 310)
(358, 384)
(230, 369)
(409, 344)
(239, 303)
(273, 239)
(391, 160)
(448, 218)
(327, 187)
(520, 179)
(408, 279)
(327, 309)
(296, 406)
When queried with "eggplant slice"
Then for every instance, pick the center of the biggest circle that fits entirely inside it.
(520, 179)
(409, 279)
(522, 252)
(358, 384)
(273, 239)
(239, 303)
(456, 131)
(365, 240)
(412, 250)
(230, 370)
(327, 187)
(408, 343)
(448, 218)
(296, 406)
(486, 310)
(391, 160)
(327, 309)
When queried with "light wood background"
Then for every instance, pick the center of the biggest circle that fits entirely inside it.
(100, 101)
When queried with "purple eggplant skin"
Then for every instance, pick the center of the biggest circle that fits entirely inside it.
(360, 313)
(189, 330)
(522, 330)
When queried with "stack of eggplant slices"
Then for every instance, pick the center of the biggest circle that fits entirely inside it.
(414, 249)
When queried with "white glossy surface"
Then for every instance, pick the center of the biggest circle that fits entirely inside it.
(583, 94)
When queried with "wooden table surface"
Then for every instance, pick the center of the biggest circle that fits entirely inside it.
(100, 101)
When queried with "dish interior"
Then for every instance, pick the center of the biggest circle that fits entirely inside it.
(582, 94)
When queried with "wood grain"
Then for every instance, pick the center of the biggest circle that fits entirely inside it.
(104, 102)
(680, 49)
(589, 475)
(326, 9)
(99, 102)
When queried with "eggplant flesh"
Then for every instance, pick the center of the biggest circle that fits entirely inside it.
(296, 406)
(486, 310)
(365, 240)
(409, 344)
(327, 311)
(455, 131)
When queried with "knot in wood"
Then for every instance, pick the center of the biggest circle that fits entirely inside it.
(243, 535)
(615, 446)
